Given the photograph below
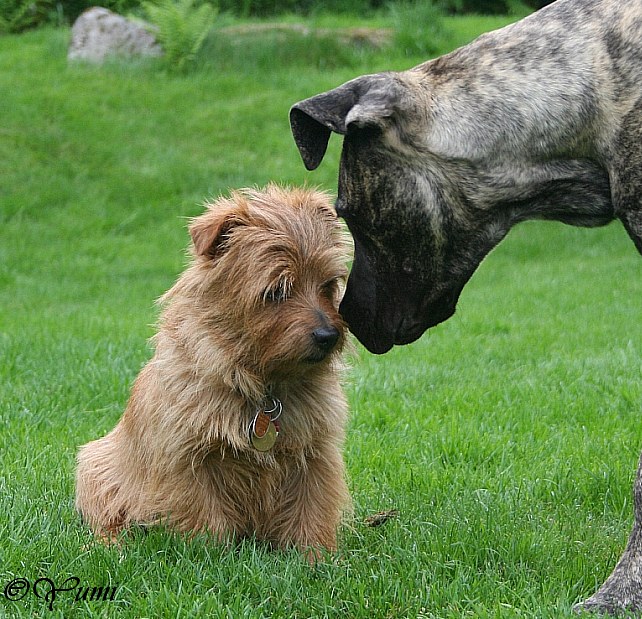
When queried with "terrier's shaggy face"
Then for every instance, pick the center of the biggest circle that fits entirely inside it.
(236, 425)
(269, 279)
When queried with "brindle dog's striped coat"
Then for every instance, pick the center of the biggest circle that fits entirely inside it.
(539, 120)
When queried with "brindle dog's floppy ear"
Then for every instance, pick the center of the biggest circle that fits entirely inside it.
(363, 101)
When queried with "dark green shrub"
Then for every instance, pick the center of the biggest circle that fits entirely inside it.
(180, 27)
(19, 15)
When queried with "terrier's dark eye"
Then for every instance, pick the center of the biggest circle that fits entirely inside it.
(277, 294)
(330, 287)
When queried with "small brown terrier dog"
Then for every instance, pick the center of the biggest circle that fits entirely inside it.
(235, 427)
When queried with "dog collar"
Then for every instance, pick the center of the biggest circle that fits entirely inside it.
(265, 427)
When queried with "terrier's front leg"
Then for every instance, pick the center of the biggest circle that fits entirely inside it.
(311, 505)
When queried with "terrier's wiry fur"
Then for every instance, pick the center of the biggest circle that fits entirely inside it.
(254, 316)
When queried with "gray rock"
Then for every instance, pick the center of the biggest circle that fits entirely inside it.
(99, 33)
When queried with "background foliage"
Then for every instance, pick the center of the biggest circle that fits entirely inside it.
(19, 15)
(181, 29)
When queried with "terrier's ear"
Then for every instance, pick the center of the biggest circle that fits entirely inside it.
(209, 232)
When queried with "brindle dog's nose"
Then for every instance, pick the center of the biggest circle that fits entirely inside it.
(325, 337)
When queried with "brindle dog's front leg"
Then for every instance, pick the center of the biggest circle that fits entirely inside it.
(622, 590)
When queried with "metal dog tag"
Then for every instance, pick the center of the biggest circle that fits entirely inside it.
(263, 432)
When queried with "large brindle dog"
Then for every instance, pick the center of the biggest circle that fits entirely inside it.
(539, 120)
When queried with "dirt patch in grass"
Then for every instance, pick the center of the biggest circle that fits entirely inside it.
(358, 36)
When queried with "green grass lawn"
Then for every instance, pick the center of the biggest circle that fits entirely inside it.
(506, 438)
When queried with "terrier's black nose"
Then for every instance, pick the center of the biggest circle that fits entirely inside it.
(325, 337)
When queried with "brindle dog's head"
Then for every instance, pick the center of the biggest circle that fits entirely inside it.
(429, 185)
(416, 240)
